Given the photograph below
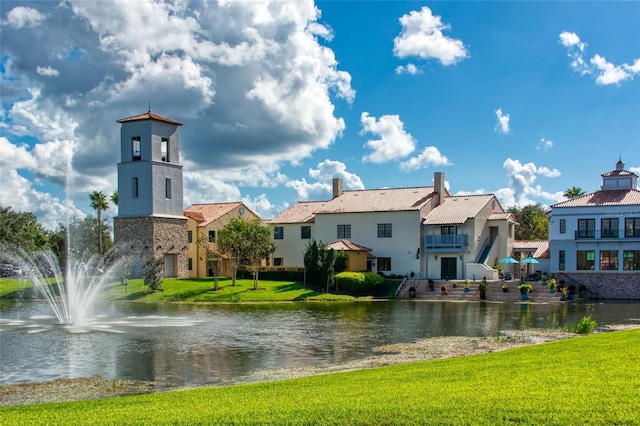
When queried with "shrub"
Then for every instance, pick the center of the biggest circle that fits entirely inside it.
(584, 326)
(282, 276)
(525, 288)
(360, 282)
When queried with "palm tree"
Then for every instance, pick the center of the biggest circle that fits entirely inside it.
(99, 203)
(573, 192)
(114, 198)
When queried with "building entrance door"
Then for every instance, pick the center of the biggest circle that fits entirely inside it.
(168, 266)
(448, 268)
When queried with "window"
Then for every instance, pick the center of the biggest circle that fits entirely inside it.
(447, 230)
(384, 264)
(563, 226)
(167, 189)
(136, 153)
(189, 236)
(586, 260)
(278, 233)
(586, 228)
(631, 260)
(164, 149)
(561, 260)
(212, 236)
(190, 264)
(384, 230)
(632, 227)
(344, 231)
(134, 187)
(608, 260)
(277, 261)
(305, 232)
(609, 228)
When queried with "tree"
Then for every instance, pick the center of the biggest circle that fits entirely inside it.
(22, 229)
(534, 223)
(99, 203)
(230, 241)
(114, 198)
(258, 246)
(573, 192)
(321, 264)
(328, 273)
(312, 261)
(152, 272)
(211, 258)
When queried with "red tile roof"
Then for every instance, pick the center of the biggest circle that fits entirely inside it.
(346, 245)
(379, 200)
(300, 212)
(540, 247)
(606, 197)
(618, 173)
(458, 209)
(204, 214)
(149, 116)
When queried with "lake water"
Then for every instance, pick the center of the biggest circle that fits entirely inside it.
(176, 345)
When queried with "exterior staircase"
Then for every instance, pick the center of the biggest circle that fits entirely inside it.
(540, 293)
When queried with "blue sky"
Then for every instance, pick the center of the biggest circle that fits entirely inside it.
(519, 99)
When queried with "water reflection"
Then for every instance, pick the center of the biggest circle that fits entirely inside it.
(192, 344)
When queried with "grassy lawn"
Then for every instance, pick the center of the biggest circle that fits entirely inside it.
(194, 290)
(591, 380)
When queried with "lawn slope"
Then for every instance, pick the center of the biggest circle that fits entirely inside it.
(592, 380)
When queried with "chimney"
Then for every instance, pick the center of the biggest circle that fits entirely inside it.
(337, 187)
(438, 186)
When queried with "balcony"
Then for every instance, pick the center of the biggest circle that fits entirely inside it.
(598, 234)
(446, 241)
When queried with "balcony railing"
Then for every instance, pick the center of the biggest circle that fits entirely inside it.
(453, 240)
(599, 234)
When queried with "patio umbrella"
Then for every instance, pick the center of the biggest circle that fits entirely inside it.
(508, 260)
(529, 259)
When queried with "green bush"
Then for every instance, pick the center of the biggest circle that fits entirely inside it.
(360, 282)
(585, 326)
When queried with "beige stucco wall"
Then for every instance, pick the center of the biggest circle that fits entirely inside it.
(197, 254)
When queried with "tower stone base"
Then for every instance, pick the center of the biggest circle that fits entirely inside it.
(160, 237)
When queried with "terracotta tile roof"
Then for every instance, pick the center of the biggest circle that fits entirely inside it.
(300, 212)
(379, 200)
(149, 116)
(457, 209)
(346, 245)
(607, 197)
(204, 214)
(618, 173)
(503, 216)
(540, 247)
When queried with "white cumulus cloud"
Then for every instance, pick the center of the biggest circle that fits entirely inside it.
(605, 73)
(422, 36)
(430, 156)
(522, 186)
(503, 122)
(407, 69)
(544, 144)
(393, 143)
(322, 187)
(48, 71)
(20, 17)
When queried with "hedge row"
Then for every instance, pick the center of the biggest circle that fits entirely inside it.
(360, 282)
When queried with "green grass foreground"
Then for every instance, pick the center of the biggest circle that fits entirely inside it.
(193, 290)
(590, 380)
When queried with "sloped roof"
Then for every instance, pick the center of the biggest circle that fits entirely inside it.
(618, 173)
(149, 116)
(346, 245)
(300, 212)
(607, 197)
(457, 209)
(503, 216)
(379, 200)
(204, 214)
(539, 247)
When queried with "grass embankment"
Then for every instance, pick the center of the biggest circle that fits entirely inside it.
(193, 290)
(587, 380)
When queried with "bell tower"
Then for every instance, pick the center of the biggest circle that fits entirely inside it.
(150, 192)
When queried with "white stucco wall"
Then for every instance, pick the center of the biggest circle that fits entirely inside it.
(291, 248)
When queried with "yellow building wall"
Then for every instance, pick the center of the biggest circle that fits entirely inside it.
(198, 255)
(357, 261)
